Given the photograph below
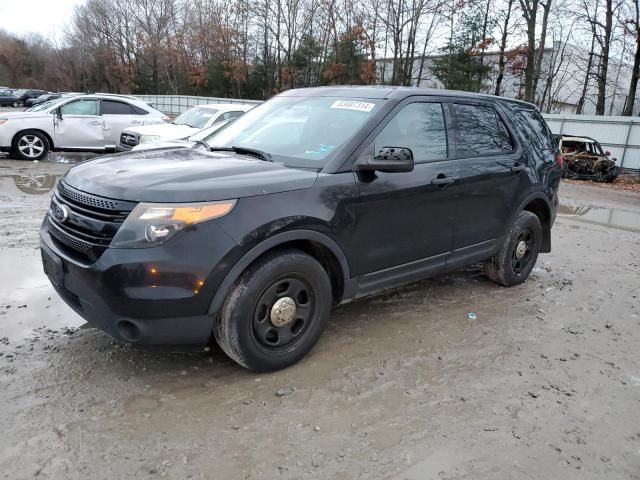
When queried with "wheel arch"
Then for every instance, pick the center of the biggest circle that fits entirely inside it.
(14, 140)
(539, 205)
(325, 250)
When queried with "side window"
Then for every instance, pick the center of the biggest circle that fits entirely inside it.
(110, 107)
(420, 127)
(80, 107)
(538, 127)
(481, 131)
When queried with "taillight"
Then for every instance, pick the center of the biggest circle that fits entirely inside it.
(559, 160)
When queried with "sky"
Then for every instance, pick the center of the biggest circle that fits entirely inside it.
(46, 17)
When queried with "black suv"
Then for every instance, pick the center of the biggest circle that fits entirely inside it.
(316, 197)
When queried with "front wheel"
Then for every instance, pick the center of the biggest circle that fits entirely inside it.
(31, 145)
(517, 256)
(15, 104)
(275, 312)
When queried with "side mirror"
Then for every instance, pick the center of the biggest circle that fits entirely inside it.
(58, 113)
(388, 160)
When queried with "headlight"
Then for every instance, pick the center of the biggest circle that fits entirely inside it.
(3, 121)
(148, 138)
(151, 224)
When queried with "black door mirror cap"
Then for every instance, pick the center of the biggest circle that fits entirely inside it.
(387, 160)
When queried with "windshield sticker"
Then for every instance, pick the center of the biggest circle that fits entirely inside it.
(352, 105)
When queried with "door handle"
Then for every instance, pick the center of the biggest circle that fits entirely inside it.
(442, 180)
(518, 167)
(136, 122)
(95, 122)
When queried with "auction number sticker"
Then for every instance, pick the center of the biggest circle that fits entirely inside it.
(353, 105)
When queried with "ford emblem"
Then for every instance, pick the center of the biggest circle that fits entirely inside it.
(60, 213)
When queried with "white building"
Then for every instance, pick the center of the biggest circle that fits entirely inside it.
(560, 84)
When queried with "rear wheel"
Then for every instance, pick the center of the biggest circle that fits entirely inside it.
(519, 252)
(31, 145)
(275, 312)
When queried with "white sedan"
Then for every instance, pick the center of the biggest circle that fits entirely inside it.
(203, 136)
(80, 123)
(185, 124)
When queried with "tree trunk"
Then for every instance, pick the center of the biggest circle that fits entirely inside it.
(530, 12)
(503, 47)
(540, 52)
(604, 60)
(585, 85)
(635, 70)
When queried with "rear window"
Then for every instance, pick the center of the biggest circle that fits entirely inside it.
(535, 129)
(481, 131)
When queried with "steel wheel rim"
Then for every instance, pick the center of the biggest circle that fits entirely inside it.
(30, 146)
(520, 260)
(267, 335)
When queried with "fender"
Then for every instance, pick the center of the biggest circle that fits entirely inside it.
(272, 242)
(546, 232)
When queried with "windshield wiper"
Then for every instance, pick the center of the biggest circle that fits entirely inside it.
(252, 152)
(203, 143)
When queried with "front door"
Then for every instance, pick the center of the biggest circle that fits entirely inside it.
(404, 221)
(79, 126)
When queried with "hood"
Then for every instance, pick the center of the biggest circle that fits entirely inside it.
(166, 131)
(184, 175)
(162, 144)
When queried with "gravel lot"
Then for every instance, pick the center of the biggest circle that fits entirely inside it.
(545, 383)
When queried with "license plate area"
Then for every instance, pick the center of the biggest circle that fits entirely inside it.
(52, 266)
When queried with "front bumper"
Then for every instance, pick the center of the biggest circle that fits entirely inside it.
(123, 148)
(157, 295)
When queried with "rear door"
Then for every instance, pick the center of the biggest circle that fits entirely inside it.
(79, 125)
(490, 173)
(117, 116)
(402, 218)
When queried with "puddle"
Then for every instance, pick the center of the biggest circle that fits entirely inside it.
(23, 282)
(628, 220)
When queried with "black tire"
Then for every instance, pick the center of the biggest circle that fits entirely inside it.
(30, 145)
(512, 265)
(15, 104)
(613, 174)
(245, 328)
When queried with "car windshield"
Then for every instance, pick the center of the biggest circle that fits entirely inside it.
(196, 117)
(41, 106)
(207, 134)
(298, 131)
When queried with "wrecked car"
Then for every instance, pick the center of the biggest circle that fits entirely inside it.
(584, 159)
(312, 199)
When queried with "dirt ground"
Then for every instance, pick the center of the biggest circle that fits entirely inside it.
(543, 384)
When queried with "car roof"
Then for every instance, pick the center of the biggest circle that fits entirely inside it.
(393, 92)
(578, 139)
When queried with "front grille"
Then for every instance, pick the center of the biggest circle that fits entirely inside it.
(91, 221)
(128, 139)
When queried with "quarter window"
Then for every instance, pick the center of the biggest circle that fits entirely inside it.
(535, 126)
(481, 131)
(420, 127)
(80, 107)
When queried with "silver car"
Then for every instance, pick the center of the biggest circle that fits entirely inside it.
(79, 123)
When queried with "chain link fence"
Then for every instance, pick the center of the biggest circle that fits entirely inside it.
(177, 104)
